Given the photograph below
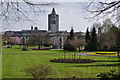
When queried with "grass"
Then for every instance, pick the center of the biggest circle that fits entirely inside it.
(17, 49)
(13, 65)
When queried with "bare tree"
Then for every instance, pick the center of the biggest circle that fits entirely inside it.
(108, 35)
(102, 9)
(16, 10)
(78, 43)
(39, 39)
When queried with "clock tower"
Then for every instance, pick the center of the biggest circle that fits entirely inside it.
(53, 21)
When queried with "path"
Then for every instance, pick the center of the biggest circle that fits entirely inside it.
(31, 54)
(85, 54)
(82, 54)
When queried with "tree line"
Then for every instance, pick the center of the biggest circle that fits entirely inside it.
(107, 37)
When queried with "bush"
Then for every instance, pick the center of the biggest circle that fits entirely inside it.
(110, 74)
(39, 71)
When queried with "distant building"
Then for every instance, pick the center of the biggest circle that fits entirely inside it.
(58, 37)
(23, 33)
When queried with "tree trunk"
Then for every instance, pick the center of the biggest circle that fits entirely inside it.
(79, 48)
(11, 45)
(38, 46)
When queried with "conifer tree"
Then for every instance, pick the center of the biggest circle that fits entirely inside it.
(93, 40)
(71, 36)
(67, 45)
(87, 40)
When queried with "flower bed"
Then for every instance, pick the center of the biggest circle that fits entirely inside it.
(104, 53)
(72, 60)
(40, 49)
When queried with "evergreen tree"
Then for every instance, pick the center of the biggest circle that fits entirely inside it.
(93, 40)
(87, 40)
(67, 45)
(71, 36)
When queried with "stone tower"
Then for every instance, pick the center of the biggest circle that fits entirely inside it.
(53, 21)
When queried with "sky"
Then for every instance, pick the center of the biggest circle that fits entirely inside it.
(71, 14)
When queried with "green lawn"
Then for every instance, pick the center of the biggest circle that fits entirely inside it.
(13, 65)
(17, 49)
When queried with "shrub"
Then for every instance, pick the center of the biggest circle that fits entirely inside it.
(110, 74)
(39, 71)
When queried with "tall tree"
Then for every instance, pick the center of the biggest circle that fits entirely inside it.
(108, 36)
(107, 24)
(68, 45)
(71, 36)
(87, 40)
(93, 40)
(118, 39)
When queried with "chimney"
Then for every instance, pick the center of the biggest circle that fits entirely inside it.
(31, 27)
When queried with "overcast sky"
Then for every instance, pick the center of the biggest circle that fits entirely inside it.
(71, 14)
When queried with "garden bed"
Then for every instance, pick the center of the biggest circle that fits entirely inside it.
(72, 60)
(40, 49)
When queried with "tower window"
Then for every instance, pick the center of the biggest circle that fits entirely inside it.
(53, 22)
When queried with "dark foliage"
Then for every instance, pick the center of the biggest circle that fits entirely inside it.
(72, 60)
(87, 40)
(67, 45)
(71, 36)
(93, 40)
(111, 74)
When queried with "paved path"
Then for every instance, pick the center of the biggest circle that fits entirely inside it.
(85, 54)
(31, 54)
(82, 54)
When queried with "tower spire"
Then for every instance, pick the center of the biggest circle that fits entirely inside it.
(53, 11)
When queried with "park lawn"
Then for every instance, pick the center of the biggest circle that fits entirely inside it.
(13, 65)
(17, 49)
